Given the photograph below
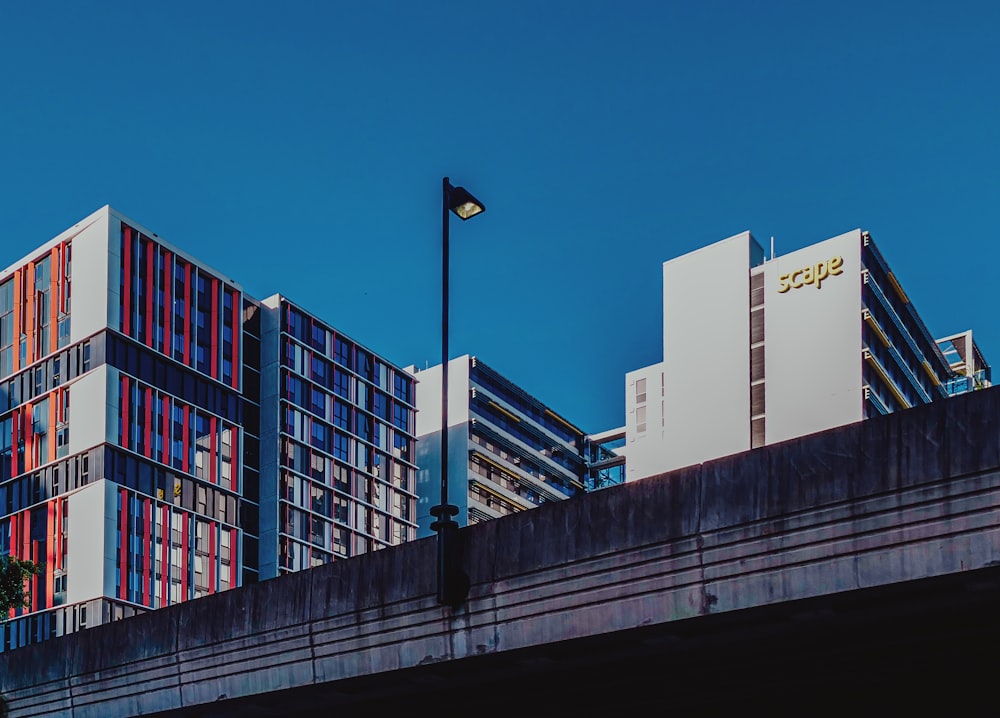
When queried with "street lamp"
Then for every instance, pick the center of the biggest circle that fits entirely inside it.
(452, 583)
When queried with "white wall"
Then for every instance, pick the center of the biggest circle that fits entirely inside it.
(428, 431)
(428, 395)
(706, 352)
(644, 450)
(91, 559)
(92, 298)
(812, 348)
(91, 414)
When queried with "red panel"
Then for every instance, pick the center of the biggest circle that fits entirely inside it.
(29, 438)
(54, 404)
(51, 537)
(127, 281)
(168, 306)
(185, 559)
(150, 290)
(123, 552)
(60, 557)
(214, 362)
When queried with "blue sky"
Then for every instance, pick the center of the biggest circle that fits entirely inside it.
(299, 147)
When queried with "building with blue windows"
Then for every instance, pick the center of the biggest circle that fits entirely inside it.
(508, 451)
(341, 444)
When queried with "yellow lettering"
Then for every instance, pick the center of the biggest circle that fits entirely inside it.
(814, 275)
(820, 273)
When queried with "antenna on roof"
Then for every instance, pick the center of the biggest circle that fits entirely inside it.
(772, 247)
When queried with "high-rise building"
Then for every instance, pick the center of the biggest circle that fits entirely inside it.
(507, 450)
(758, 351)
(140, 390)
(341, 444)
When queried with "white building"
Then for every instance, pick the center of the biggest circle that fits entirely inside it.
(758, 351)
(507, 451)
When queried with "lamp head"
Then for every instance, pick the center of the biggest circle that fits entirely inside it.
(463, 204)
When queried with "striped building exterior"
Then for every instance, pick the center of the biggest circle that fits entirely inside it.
(342, 448)
(135, 409)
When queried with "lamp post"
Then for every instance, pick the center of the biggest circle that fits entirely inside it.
(452, 583)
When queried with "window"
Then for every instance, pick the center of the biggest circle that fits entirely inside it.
(6, 328)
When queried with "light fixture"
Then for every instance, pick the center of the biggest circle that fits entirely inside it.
(462, 203)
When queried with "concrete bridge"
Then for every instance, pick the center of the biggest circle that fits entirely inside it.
(845, 570)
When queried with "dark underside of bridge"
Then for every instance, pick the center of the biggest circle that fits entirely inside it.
(930, 645)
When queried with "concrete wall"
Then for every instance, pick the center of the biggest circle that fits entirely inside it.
(893, 499)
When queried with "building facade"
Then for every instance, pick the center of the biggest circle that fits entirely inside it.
(135, 410)
(757, 352)
(341, 444)
(508, 452)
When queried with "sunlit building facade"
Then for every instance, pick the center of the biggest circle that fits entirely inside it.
(508, 452)
(120, 433)
(757, 351)
(140, 391)
(342, 446)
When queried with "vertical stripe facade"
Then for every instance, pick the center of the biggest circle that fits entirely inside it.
(176, 434)
(38, 534)
(34, 309)
(158, 565)
(34, 433)
(174, 307)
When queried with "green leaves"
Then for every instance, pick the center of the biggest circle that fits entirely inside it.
(14, 574)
